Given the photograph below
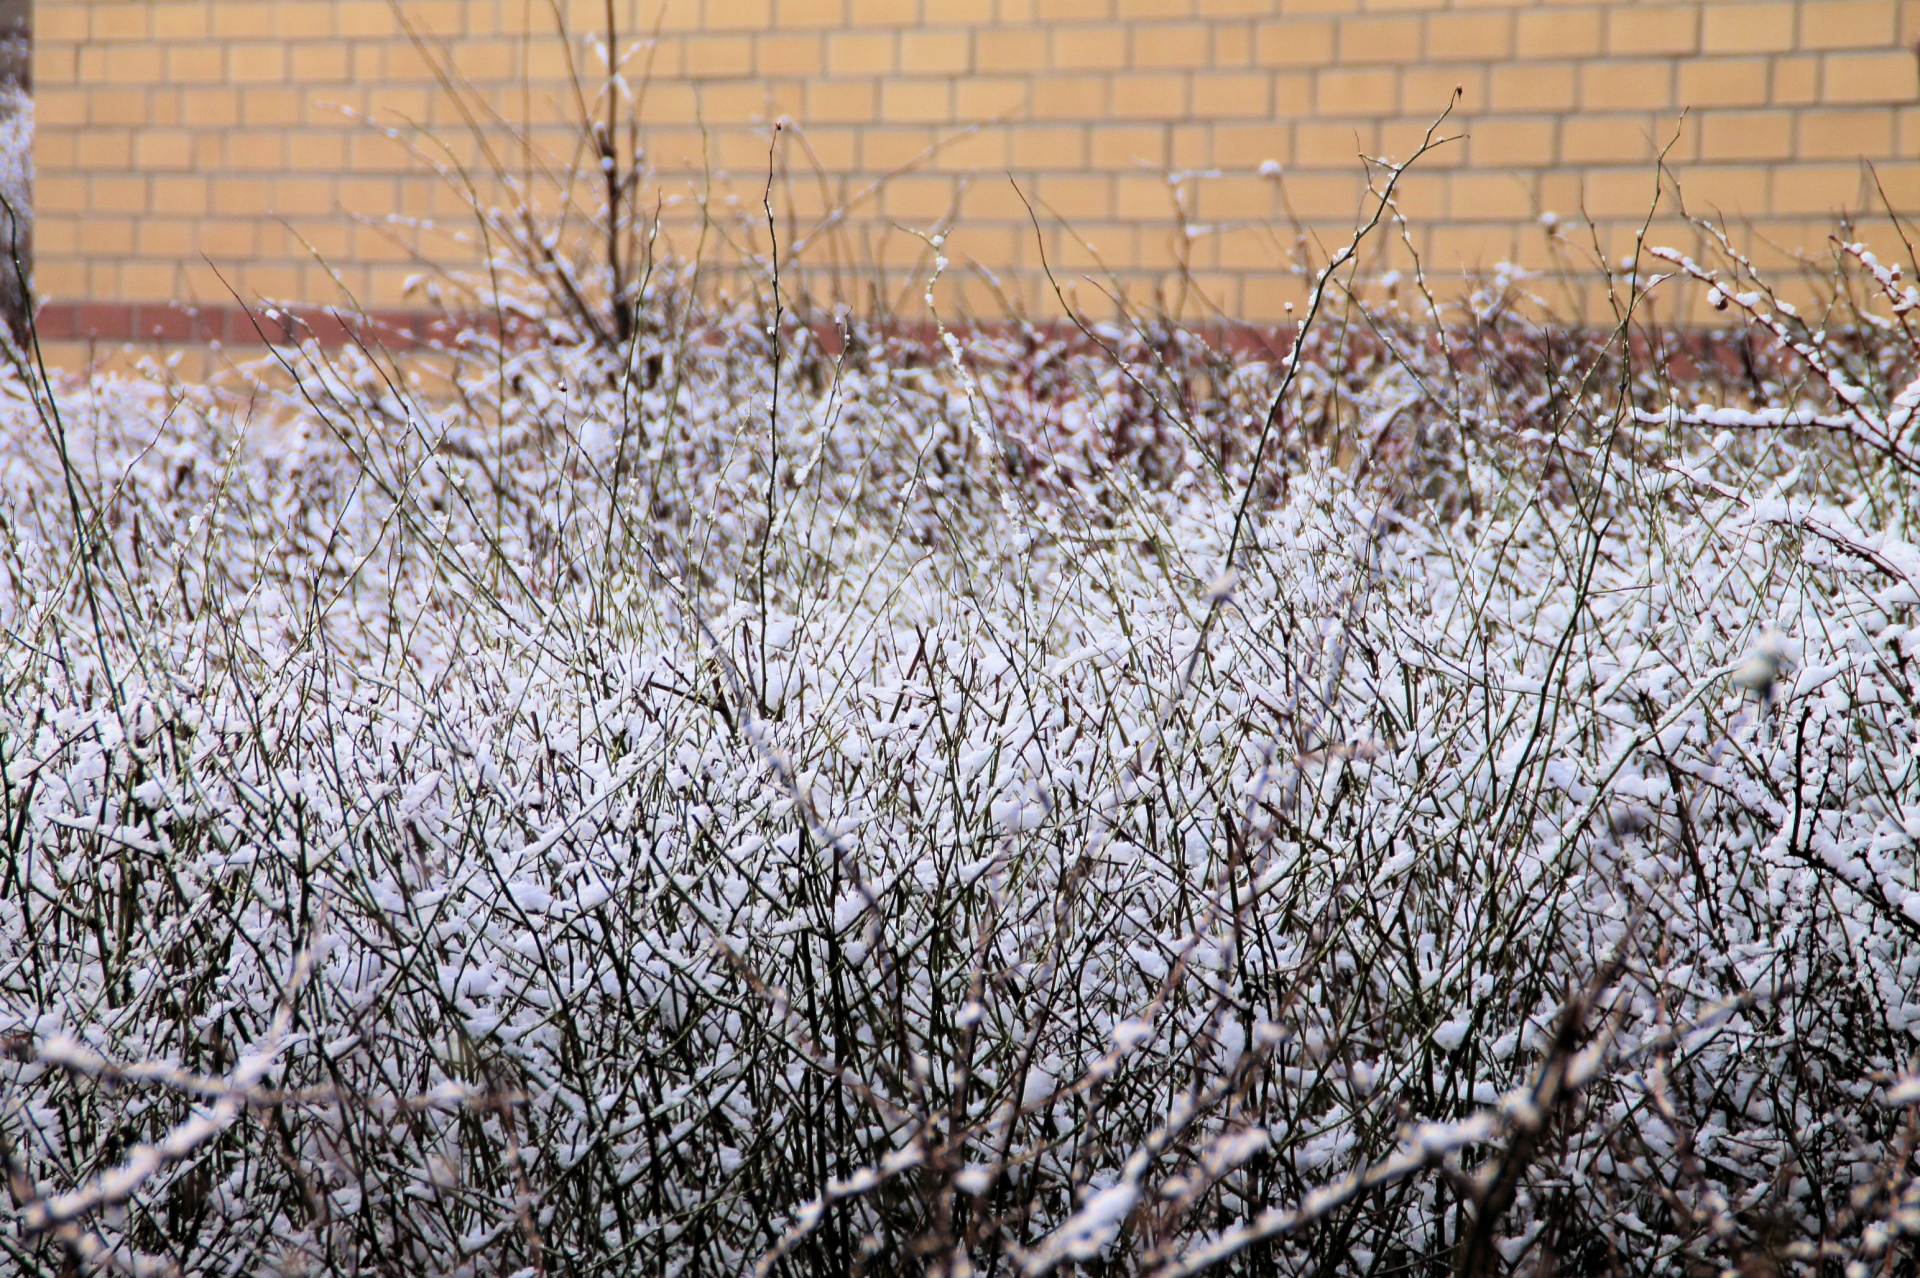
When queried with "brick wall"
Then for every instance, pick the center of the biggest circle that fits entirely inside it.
(187, 149)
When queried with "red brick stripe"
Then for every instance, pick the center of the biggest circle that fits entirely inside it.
(170, 323)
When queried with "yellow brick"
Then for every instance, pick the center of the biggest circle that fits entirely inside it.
(1127, 147)
(1489, 197)
(110, 236)
(127, 22)
(1822, 189)
(1068, 10)
(1237, 198)
(1151, 95)
(1232, 44)
(1325, 197)
(323, 153)
(142, 63)
(1846, 24)
(918, 198)
(1078, 196)
(249, 151)
(1248, 146)
(999, 50)
(53, 152)
(271, 281)
(1089, 48)
(163, 108)
(841, 101)
(317, 63)
(1796, 80)
(1191, 146)
(1293, 43)
(1626, 194)
(1651, 29)
(331, 239)
(993, 201)
(1589, 139)
(242, 19)
(980, 99)
(370, 63)
(55, 65)
(272, 108)
(303, 21)
(669, 103)
(60, 193)
(792, 14)
(1558, 33)
(294, 196)
(172, 149)
(1723, 82)
(1746, 28)
(1481, 36)
(1070, 97)
(1738, 191)
(1168, 46)
(369, 195)
(361, 19)
(1497, 143)
(1041, 147)
(740, 16)
(196, 64)
(1427, 91)
(1357, 92)
(485, 61)
(789, 54)
(885, 149)
(60, 279)
(62, 23)
(1615, 86)
(1271, 298)
(1380, 39)
(1235, 95)
(1143, 197)
(860, 53)
(1537, 86)
(119, 194)
(60, 107)
(179, 196)
(740, 104)
(257, 63)
(118, 106)
(717, 56)
(1869, 77)
(972, 152)
(101, 150)
(948, 52)
(1901, 180)
(1400, 139)
(1476, 248)
(916, 101)
(210, 108)
(1334, 144)
(165, 237)
(1423, 198)
(1839, 135)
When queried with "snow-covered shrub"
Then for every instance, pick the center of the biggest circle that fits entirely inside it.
(953, 809)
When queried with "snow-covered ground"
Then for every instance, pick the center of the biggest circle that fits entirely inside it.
(989, 809)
